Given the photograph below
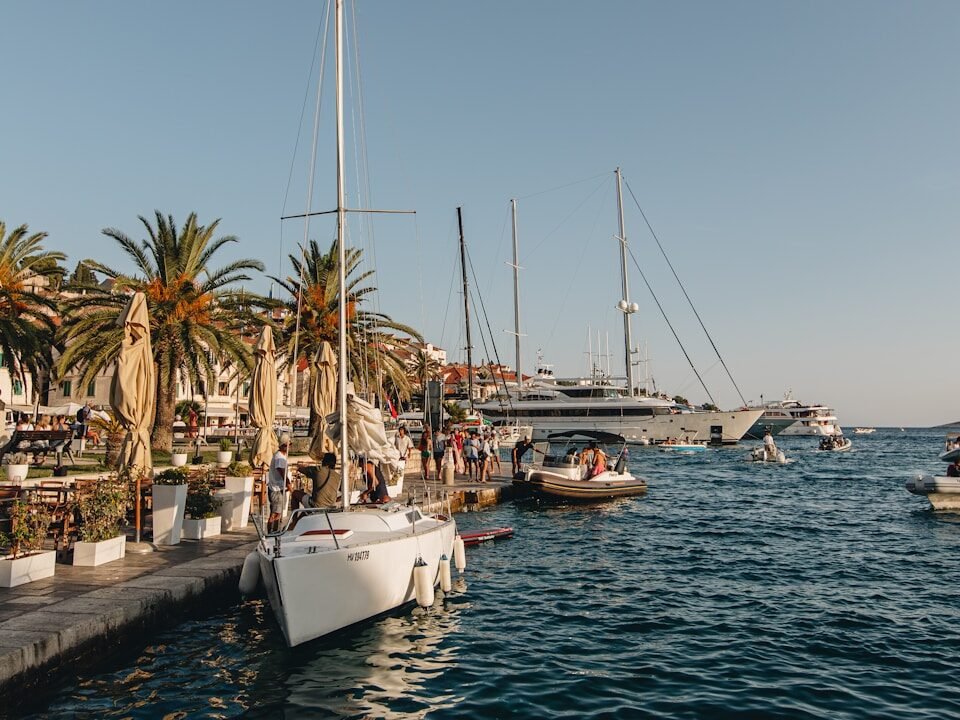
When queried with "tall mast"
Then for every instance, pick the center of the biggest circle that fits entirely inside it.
(516, 297)
(466, 308)
(625, 306)
(341, 273)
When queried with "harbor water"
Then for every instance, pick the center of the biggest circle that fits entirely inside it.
(816, 589)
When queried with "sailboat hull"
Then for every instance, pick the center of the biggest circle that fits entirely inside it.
(317, 588)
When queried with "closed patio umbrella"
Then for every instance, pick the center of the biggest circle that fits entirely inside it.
(263, 400)
(133, 391)
(323, 399)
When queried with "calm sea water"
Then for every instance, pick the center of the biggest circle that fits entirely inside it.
(816, 589)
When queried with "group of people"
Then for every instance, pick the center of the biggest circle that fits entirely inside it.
(475, 452)
(592, 458)
(324, 484)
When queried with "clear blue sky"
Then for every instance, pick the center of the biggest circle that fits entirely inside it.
(799, 161)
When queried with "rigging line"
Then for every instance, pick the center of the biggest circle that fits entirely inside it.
(306, 221)
(562, 222)
(362, 165)
(670, 325)
(446, 312)
(561, 187)
(493, 342)
(689, 301)
(574, 276)
(503, 232)
(321, 32)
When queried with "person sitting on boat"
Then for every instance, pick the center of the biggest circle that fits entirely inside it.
(326, 483)
(599, 462)
(953, 470)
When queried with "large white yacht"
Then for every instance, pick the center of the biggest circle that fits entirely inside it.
(790, 417)
(553, 405)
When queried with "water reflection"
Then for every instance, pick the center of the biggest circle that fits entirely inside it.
(385, 670)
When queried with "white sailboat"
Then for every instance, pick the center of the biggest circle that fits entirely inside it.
(330, 569)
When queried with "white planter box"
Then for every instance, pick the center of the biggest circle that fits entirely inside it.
(169, 502)
(236, 496)
(17, 473)
(200, 529)
(27, 569)
(91, 554)
(224, 457)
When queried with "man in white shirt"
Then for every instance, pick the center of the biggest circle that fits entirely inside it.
(404, 446)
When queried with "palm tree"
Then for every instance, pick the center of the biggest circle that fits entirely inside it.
(424, 368)
(196, 317)
(371, 347)
(26, 310)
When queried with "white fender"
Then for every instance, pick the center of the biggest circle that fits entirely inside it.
(445, 581)
(459, 554)
(423, 584)
(250, 574)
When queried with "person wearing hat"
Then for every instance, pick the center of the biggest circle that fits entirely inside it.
(277, 483)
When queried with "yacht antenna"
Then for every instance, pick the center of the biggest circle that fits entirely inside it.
(466, 308)
(625, 306)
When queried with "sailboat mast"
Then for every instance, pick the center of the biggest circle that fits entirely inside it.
(466, 307)
(341, 270)
(625, 306)
(516, 296)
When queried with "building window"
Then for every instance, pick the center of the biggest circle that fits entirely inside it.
(91, 388)
(223, 389)
(67, 386)
(17, 387)
(246, 388)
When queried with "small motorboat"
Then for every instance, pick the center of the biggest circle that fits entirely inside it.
(836, 443)
(564, 476)
(772, 455)
(951, 448)
(683, 447)
(863, 430)
(942, 492)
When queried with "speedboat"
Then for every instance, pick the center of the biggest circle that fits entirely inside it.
(771, 455)
(683, 446)
(564, 477)
(863, 430)
(942, 492)
(951, 448)
(836, 443)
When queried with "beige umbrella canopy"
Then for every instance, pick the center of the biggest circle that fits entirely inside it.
(133, 389)
(323, 399)
(263, 400)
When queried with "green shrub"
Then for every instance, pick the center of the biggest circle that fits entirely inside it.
(238, 468)
(171, 476)
(103, 510)
(226, 445)
(28, 528)
(201, 502)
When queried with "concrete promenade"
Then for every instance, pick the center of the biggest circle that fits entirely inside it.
(51, 628)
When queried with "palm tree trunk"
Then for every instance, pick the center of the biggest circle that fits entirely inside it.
(161, 438)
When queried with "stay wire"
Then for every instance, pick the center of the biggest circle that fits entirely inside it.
(670, 325)
(486, 319)
(684, 289)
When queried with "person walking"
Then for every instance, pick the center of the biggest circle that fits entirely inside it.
(426, 447)
(277, 483)
(404, 446)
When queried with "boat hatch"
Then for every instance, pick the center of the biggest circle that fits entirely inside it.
(324, 534)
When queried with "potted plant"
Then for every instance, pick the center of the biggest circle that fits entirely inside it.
(102, 510)
(202, 509)
(18, 465)
(236, 495)
(225, 454)
(25, 560)
(169, 503)
(113, 433)
(178, 458)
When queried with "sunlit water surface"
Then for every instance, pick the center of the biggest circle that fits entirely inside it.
(815, 589)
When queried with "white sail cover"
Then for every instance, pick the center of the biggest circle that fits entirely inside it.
(366, 434)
